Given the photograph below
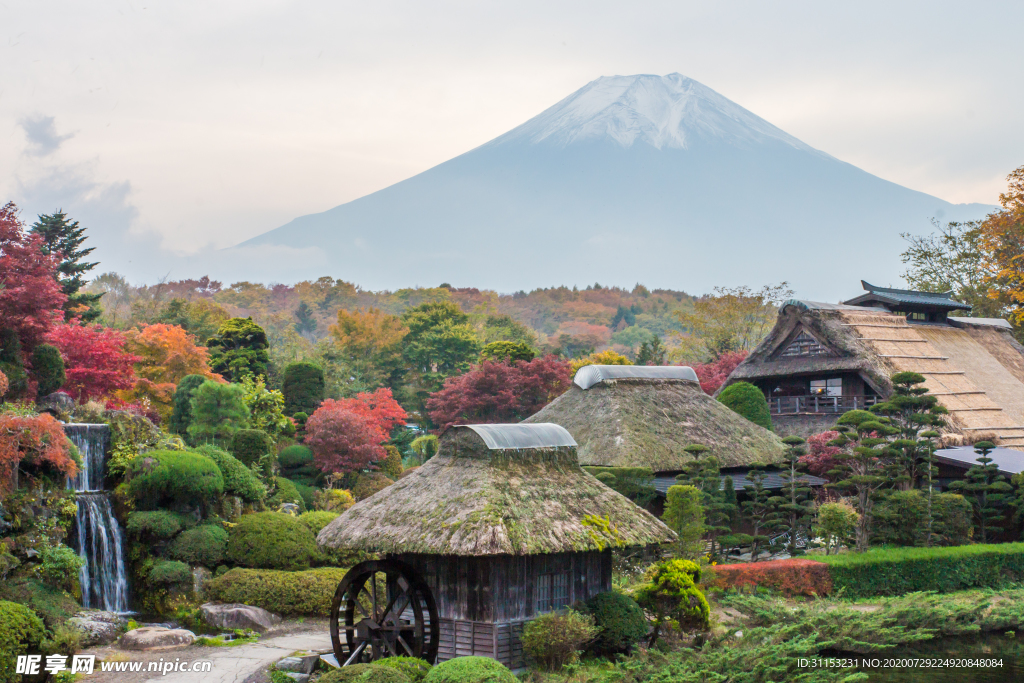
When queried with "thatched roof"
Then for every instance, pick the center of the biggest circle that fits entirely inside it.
(496, 490)
(648, 422)
(973, 365)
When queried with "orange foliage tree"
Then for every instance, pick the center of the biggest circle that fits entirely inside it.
(36, 440)
(166, 354)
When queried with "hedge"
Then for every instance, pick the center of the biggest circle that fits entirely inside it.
(21, 631)
(271, 540)
(790, 577)
(895, 571)
(305, 593)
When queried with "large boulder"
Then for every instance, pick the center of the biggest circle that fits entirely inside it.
(236, 615)
(97, 627)
(156, 638)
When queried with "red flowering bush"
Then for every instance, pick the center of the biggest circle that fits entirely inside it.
(821, 458)
(36, 440)
(790, 577)
(95, 361)
(712, 375)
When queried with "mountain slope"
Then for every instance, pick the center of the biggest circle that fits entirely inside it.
(653, 179)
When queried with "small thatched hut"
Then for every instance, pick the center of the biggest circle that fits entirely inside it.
(643, 416)
(501, 525)
(821, 360)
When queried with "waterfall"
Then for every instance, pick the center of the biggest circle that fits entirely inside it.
(99, 537)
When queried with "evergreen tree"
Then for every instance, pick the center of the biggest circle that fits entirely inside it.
(758, 510)
(651, 353)
(986, 489)
(794, 506)
(63, 238)
(306, 324)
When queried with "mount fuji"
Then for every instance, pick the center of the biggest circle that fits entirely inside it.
(652, 179)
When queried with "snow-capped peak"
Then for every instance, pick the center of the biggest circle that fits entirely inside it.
(670, 111)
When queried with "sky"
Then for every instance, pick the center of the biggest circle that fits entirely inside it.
(172, 128)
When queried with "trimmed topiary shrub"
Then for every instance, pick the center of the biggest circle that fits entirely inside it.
(620, 621)
(161, 478)
(304, 593)
(170, 574)
(48, 369)
(555, 639)
(391, 465)
(155, 524)
(271, 540)
(470, 670)
(370, 483)
(317, 519)
(250, 445)
(416, 669)
(181, 414)
(21, 631)
(239, 480)
(743, 398)
(303, 387)
(286, 492)
(204, 545)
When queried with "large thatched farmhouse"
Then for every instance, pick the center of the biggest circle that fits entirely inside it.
(821, 360)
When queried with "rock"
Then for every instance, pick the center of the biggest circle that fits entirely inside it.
(234, 616)
(98, 628)
(156, 638)
(299, 663)
(299, 678)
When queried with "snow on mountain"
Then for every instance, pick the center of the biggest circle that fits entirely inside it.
(652, 179)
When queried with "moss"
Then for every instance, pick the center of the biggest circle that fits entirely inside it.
(21, 631)
(470, 670)
(271, 540)
(204, 545)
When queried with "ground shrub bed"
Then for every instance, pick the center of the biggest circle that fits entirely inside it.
(303, 593)
(790, 577)
(895, 571)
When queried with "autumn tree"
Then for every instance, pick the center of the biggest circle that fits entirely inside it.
(238, 349)
(63, 239)
(1002, 241)
(499, 391)
(31, 301)
(731, 319)
(167, 354)
(95, 360)
(370, 341)
(342, 441)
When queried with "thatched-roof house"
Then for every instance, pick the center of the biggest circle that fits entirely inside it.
(637, 416)
(502, 525)
(821, 360)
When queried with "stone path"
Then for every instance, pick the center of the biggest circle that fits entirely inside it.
(235, 664)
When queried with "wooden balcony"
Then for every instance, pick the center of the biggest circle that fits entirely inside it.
(819, 403)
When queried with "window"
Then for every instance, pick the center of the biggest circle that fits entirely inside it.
(804, 345)
(827, 387)
(552, 592)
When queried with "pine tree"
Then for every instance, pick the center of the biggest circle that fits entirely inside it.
(794, 506)
(63, 238)
(986, 489)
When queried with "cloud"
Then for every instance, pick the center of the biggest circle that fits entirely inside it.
(41, 133)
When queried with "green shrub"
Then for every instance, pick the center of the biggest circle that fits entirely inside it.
(391, 465)
(895, 571)
(271, 540)
(204, 545)
(620, 621)
(556, 639)
(413, 667)
(171, 574)
(743, 398)
(239, 480)
(181, 414)
(303, 387)
(48, 369)
(286, 492)
(21, 631)
(317, 519)
(470, 670)
(60, 566)
(160, 478)
(250, 445)
(304, 593)
(294, 456)
(370, 483)
(153, 524)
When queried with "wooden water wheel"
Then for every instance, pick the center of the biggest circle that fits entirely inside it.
(382, 608)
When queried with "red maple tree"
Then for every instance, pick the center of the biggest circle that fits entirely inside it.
(341, 440)
(379, 408)
(499, 392)
(712, 375)
(36, 440)
(95, 361)
(30, 297)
